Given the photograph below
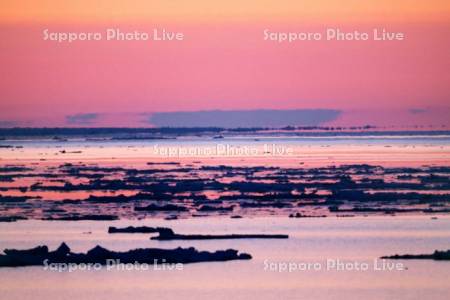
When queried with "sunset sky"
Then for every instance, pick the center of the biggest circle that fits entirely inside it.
(223, 63)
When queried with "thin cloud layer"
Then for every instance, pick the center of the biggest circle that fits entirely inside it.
(245, 118)
(82, 119)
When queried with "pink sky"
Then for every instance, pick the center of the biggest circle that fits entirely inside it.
(223, 65)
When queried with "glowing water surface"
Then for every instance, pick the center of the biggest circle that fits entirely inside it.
(360, 239)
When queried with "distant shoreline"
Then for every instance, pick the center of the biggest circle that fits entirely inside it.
(172, 132)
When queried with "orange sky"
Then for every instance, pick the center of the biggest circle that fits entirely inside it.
(223, 63)
(206, 10)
